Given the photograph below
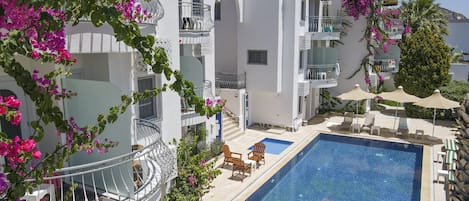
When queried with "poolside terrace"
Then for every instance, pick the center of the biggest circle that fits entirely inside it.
(228, 188)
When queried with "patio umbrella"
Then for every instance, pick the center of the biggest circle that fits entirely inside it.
(399, 95)
(356, 94)
(436, 101)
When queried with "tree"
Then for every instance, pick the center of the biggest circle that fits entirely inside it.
(424, 14)
(424, 64)
(36, 29)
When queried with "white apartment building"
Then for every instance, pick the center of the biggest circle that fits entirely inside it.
(143, 164)
(286, 53)
(275, 58)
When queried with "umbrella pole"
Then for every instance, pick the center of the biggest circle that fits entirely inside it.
(395, 117)
(434, 118)
(357, 112)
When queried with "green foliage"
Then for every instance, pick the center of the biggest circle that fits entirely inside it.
(425, 63)
(389, 102)
(424, 14)
(329, 102)
(455, 90)
(194, 173)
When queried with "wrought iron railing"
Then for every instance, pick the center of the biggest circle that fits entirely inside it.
(230, 80)
(322, 72)
(195, 17)
(325, 24)
(136, 175)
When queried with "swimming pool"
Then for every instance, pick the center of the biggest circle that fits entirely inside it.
(274, 146)
(340, 168)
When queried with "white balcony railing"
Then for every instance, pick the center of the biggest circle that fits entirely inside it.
(325, 24)
(385, 66)
(230, 80)
(322, 72)
(195, 17)
(150, 164)
(394, 28)
(154, 8)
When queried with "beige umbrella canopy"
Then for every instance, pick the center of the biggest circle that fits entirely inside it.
(356, 94)
(399, 95)
(436, 101)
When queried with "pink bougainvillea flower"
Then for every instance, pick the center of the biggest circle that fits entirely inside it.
(3, 182)
(28, 145)
(36, 154)
(12, 102)
(16, 118)
(407, 29)
(3, 110)
(381, 78)
(367, 80)
(191, 180)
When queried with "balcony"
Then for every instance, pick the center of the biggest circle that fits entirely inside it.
(230, 80)
(137, 175)
(394, 30)
(385, 68)
(322, 75)
(325, 28)
(195, 17)
(188, 115)
(86, 38)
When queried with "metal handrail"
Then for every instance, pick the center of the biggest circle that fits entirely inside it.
(325, 24)
(322, 72)
(195, 17)
(145, 169)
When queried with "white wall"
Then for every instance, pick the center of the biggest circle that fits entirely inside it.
(351, 54)
(261, 30)
(233, 100)
(226, 40)
(168, 28)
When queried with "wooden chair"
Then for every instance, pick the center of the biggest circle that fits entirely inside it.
(257, 153)
(241, 167)
(229, 158)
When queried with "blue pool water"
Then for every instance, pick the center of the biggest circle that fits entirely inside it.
(274, 146)
(339, 168)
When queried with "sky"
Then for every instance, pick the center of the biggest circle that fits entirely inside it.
(460, 6)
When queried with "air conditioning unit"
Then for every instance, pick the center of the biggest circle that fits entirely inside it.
(43, 191)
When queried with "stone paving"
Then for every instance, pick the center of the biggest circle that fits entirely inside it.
(232, 188)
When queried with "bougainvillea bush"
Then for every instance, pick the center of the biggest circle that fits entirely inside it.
(379, 19)
(36, 29)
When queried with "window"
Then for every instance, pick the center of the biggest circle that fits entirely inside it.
(147, 107)
(217, 10)
(300, 104)
(301, 60)
(257, 57)
(303, 10)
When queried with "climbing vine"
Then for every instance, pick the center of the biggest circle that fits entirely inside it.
(379, 19)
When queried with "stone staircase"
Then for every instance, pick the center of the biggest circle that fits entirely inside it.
(230, 127)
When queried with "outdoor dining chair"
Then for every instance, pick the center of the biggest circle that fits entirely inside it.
(257, 153)
(240, 166)
(229, 155)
